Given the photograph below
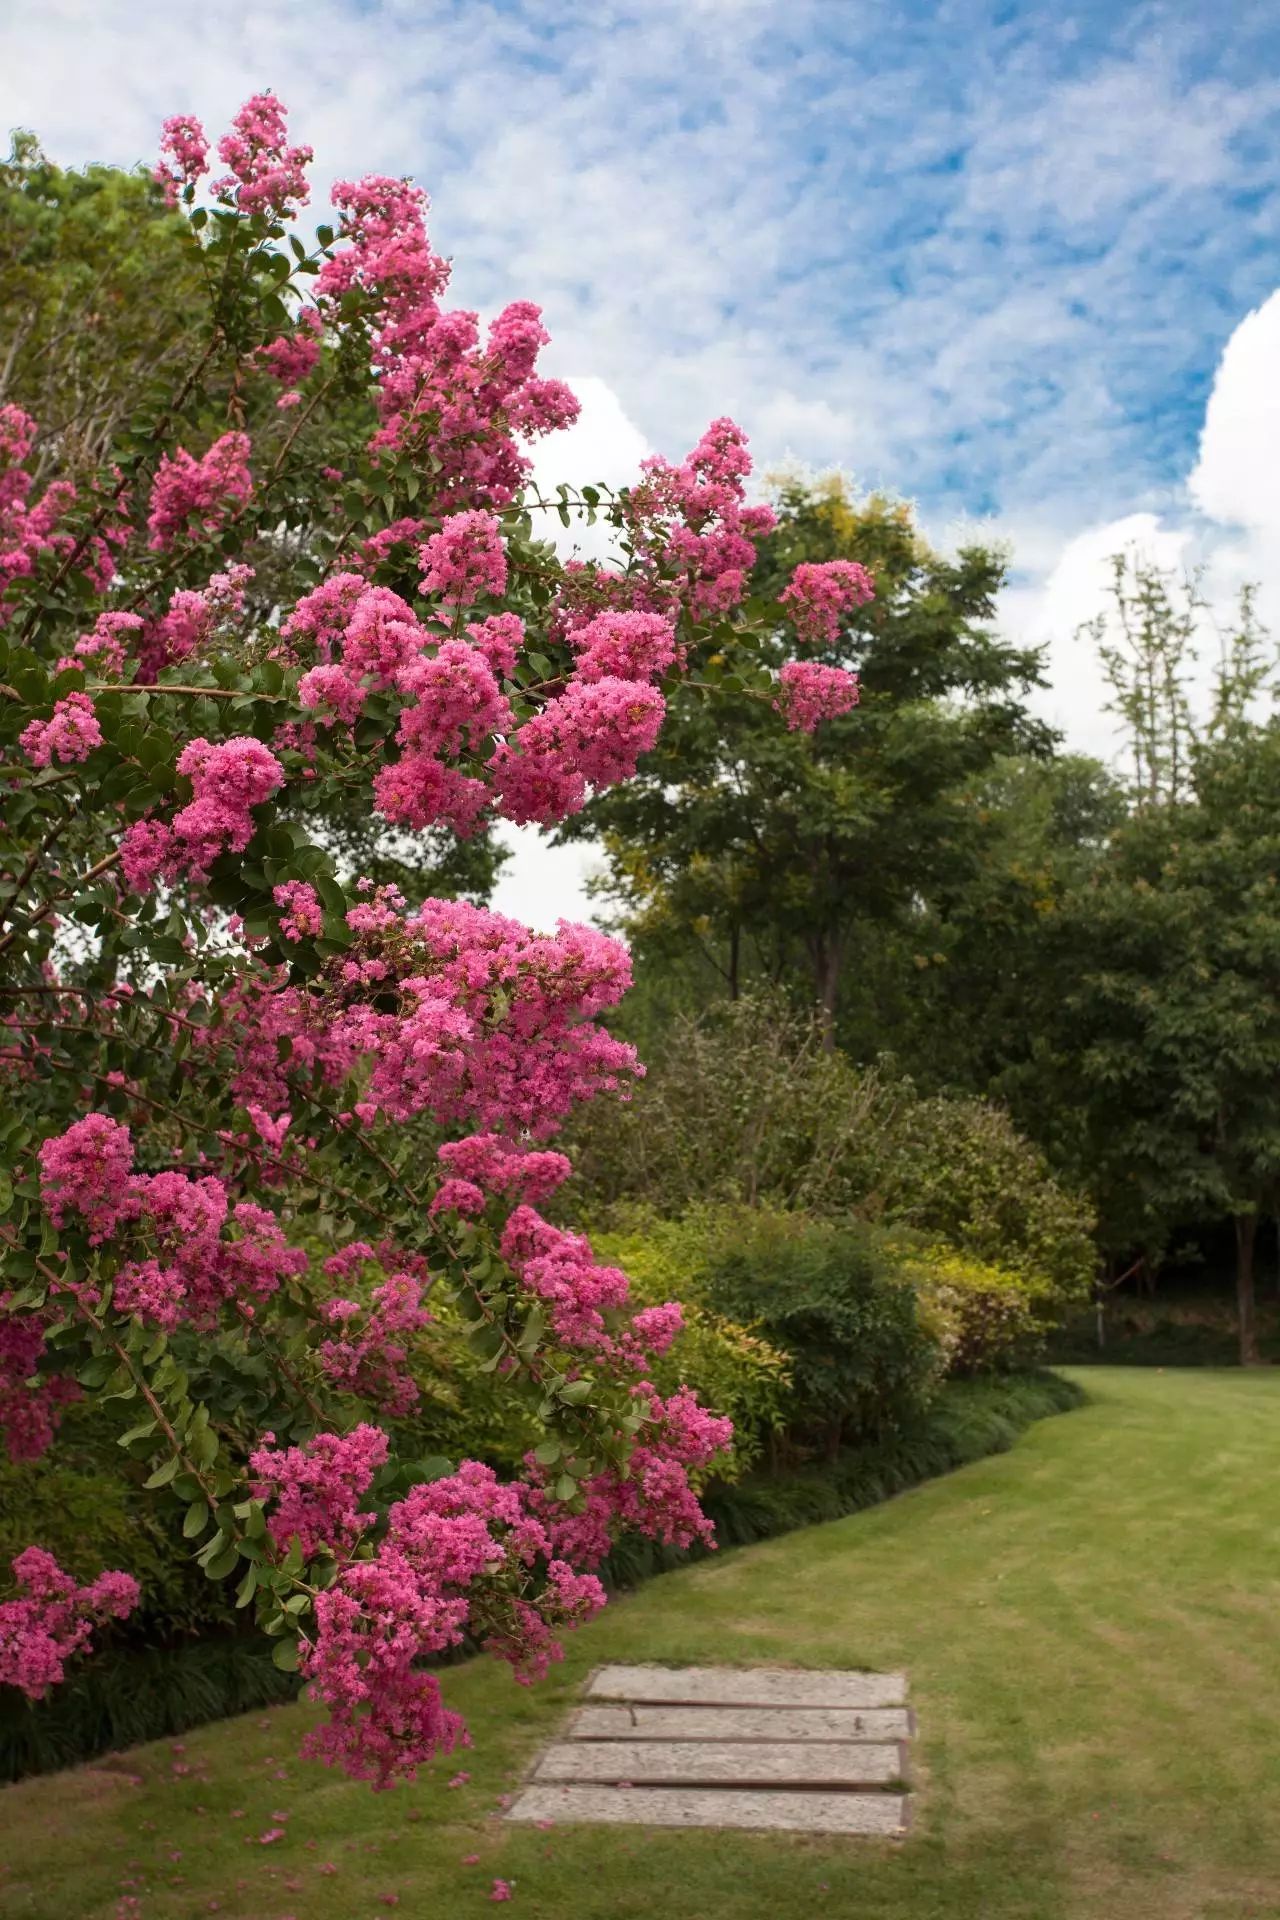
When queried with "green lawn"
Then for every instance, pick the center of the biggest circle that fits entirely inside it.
(1091, 1625)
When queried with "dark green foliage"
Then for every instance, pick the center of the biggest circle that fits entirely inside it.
(133, 1694)
(84, 1503)
(1173, 1328)
(831, 1296)
(743, 1106)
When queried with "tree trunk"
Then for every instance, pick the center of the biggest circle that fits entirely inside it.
(735, 946)
(1246, 1305)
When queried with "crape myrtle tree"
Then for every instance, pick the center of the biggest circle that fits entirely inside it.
(98, 280)
(258, 1114)
(786, 854)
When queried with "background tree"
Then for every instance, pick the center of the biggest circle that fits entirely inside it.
(783, 856)
(1163, 1033)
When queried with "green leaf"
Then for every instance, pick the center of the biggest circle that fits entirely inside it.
(196, 1521)
(163, 1474)
(285, 1656)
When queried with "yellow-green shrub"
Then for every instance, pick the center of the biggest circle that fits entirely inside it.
(730, 1367)
(984, 1316)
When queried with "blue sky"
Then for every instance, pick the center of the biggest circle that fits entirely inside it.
(989, 255)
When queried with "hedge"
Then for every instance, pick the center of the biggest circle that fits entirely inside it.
(968, 1420)
(125, 1697)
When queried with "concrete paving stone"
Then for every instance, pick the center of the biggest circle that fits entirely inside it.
(747, 1687)
(740, 1723)
(881, 1815)
(725, 1764)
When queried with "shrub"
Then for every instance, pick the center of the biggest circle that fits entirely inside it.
(960, 1169)
(743, 1107)
(833, 1297)
(985, 1318)
(731, 1367)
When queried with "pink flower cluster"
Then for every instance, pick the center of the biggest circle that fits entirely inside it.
(53, 1618)
(317, 1488)
(266, 175)
(482, 1164)
(292, 356)
(656, 1496)
(819, 591)
(70, 735)
(809, 693)
(465, 560)
(438, 384)
(30, 1403)
(27, 531)
(559, 1269)
(453, 1554)
(87, 1170)
(452, 1012)
(302, 916)
(367, 1356)
(691, 521)
(456, 702)
(184, 156)
(193, 619)
(107, 647)
(624, 646)
(228, 779)
(592, 734)
(190, 496)
(206, 1251)
(493, 1023)
(585, 1299)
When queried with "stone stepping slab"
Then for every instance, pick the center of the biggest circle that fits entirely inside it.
(734, 1763)
(747, 1687)
(866, 1815)
(740, 1723)
(778, 1748)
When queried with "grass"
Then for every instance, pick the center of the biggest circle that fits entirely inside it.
(1089, 1623)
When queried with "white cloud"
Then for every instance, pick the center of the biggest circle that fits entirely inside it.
(1236, 480)
(1226, 522)
(924, 247)
(602, 448)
